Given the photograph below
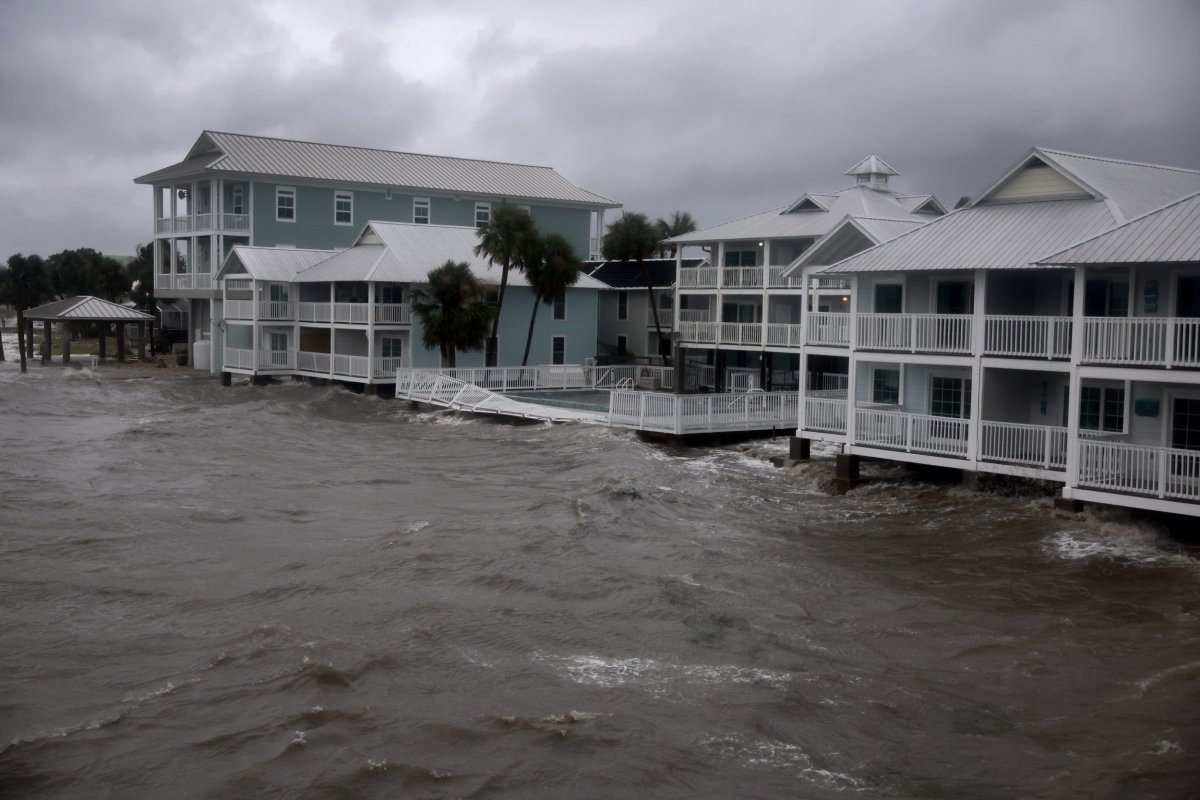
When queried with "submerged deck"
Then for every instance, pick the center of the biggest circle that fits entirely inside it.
(622, 397)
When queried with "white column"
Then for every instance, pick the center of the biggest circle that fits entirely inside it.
(332, 327)
(1075, 384)
(370, 331)
(720, 265)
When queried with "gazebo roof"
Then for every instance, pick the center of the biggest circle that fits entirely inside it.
(85, 308)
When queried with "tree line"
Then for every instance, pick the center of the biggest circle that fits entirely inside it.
(30, 281)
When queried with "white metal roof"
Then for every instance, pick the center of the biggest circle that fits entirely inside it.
(401, 252)
(270, 263)
(848, 236)
(86, 307)
(1007, 236)
(783, 223)
(1168, 234)
(289, 159)
(1135, 188)
(871, 165)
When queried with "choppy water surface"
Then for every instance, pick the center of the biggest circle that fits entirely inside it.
(292, 591)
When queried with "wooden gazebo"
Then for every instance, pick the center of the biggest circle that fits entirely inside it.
(85, 309)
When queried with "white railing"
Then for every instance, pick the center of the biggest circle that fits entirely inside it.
(275, 309)
(163, 225)
(1040, 337)
(666, 318)
(829, 382)
(918, 333)
(832, 283)
(776, 280)
(351, 366)
(183, 280)
(351, 313)
(203, 222)
(162, 281)
(313, 312)
(742, 277)
(783, 335)
(829, 328)
(239, 309)
(741, 333)
(235, 222)
(1042, 446)
(386, 367)
(698, 278)
(276, 359)
(393, 313)
(702, 332)
(826, 414)
(182, 224)
(681, 414)
(239, 358)
(1133, 469)
(313, 362)
(1147, 341)
(917, 433)
(695, 315)
(742, 379)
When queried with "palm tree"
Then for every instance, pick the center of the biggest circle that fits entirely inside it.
(681, 222)
(452, 311)
(631, 237)
(507, 240)
(24, 287)
(555, 268)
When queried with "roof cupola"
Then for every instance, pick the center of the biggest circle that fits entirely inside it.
(872, 171)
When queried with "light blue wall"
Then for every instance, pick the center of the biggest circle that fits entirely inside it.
(314, 226)
(579, 328)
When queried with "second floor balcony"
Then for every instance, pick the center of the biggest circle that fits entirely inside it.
(339, 313)
(203, 222)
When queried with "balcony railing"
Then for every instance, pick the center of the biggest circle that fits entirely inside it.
(1041, 446)
(783, 335)
(187, 281)
(351, 313)
(695, 315)
(312, 362)
(1134, 469)
(313, 312)
(827, 414)
(239, 309)
(275, 310)
(699, 332)
(917, 433)
(1142, 341)
(829, 328)
(202, 222)
(1039, 337)
(917, 333)
(688, 413)
(741, 333)
(393, 313)
(239, 358)
(698, 278)
(775, 279)
(742, 277)
(276, 359)
(666, 318)
(351, 366)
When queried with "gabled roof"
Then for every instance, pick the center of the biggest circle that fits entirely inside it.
(86, 308)
(795, 221)
(1134, 188)
(1014, 235)
(216, 152)
(853, 235)
(401, 252)
(628, 274)
(1170, 234)
(270, 263)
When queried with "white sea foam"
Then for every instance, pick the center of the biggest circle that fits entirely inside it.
(658, 677)
(1164, 747)
(778, 755)
(169, 688)
(1109, 539)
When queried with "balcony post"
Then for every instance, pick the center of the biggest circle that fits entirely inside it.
(370, 332)
(720, 265)
(1073, 393)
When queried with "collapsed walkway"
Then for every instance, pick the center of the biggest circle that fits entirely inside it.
(632, 400)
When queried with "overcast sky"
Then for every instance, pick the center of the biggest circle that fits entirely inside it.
(721, 109)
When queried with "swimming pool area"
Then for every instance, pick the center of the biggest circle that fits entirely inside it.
(583, 399)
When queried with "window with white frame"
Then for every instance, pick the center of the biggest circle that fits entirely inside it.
(237, 201)
(950, 397)
(279, 342)
(560, 306)
(558, 350)
(421, 210)
(741, 258)
(885, 386)
(1102, 408)
(622, 305)
(1185, 423)
(343, 208)
(285, 204)
(483, 214)
(526, 209)
(391, 347)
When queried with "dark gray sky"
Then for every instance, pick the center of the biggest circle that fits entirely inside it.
(722, 109)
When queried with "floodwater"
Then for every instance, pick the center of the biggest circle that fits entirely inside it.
(290, 591)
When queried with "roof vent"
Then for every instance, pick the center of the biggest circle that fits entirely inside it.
(872, 171)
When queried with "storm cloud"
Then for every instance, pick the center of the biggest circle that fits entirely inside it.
(716, 108)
